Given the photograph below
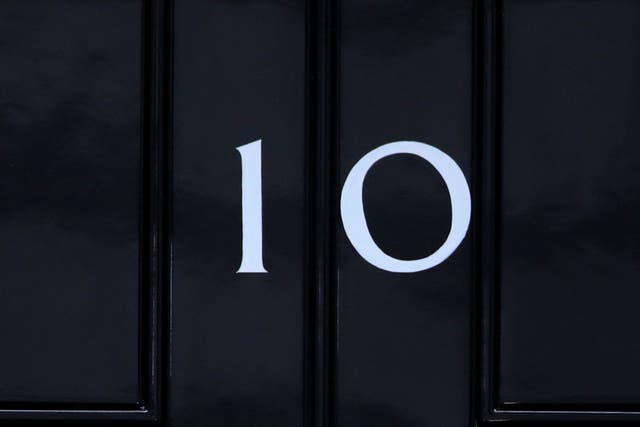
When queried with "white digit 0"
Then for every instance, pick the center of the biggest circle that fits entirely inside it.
(355, 223)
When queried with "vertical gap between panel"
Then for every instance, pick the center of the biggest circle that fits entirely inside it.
(147, 216)
(496, 185)
(156, 207)
(166, 260)
(488, 175)
(320, 341)
(476, 191)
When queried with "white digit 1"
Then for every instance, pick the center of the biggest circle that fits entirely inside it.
(251, 158)
(355, 223)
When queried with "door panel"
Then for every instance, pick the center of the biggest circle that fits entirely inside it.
(405, 74)
(237, 337)
(71, 118)
(568, 236)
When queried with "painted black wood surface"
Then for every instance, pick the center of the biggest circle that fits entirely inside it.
(121, 223)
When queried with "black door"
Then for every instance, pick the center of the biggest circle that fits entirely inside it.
(355, 213)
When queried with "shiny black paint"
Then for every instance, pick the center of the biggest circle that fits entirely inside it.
(71, 124)
(81, 210)
(121, 228)
(568, 228)
(403, 339)
(237, 338)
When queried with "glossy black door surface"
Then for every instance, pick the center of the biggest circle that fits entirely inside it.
(569, 229)
(405, 74)
(70, 126)
(180, 207)
(237, 337)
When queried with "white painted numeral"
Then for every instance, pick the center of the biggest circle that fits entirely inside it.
(355, 223)
(251, 157)
(352, 208)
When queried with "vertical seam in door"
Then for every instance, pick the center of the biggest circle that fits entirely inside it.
(320, 343)
(488, 175)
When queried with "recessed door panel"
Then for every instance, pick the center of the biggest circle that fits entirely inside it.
(237, 335)
(569, 247)
(71, 164)
(405, 74)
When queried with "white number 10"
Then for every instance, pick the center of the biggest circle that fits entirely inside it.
(352, 209)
